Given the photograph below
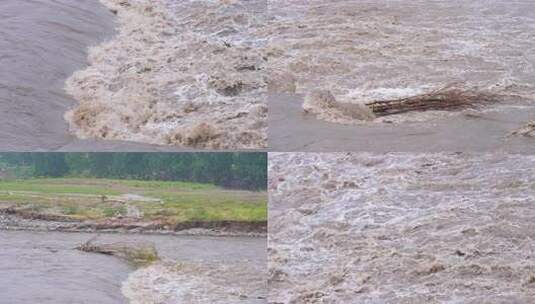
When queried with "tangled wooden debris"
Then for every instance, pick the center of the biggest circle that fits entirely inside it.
(138, 255)
(453, 97)
(448, 98)
(526, 130)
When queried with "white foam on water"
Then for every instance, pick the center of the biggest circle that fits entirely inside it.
(401, 228)
(379, 94)
(375, 50)
(169, 77)
(195, 283)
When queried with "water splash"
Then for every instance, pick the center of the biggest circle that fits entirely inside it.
(196, 283)
(184, 73)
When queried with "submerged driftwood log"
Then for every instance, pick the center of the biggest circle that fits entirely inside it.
(526, 130)
(449, 98)
(137, 255)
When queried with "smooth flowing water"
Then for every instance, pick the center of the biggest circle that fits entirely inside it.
(44, 267)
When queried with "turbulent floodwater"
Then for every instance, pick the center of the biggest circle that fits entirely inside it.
(184, 73)
(365, 51)
(401, 228)
(43, 267)
(42, 43)
(176, 72)
(194, 74)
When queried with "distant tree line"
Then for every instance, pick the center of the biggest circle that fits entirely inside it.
(230, 170)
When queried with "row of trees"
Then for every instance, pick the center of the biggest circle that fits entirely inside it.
(231, 170)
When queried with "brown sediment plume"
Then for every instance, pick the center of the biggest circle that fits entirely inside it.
(344, 45)
(370, 228)
(282, 83)
(197, 282)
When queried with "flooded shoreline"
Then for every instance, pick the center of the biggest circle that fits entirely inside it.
(44, 267)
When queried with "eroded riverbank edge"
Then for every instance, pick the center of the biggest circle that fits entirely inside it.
(20, 220)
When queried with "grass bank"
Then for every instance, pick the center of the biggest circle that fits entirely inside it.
(107, 199)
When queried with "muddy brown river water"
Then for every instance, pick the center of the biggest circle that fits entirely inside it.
(474, 131)
(42, 42)
(43, 267)
(364, 51)
(401, 228)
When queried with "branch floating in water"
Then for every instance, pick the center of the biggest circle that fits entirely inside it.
(453, 97)
(449, 98)
(138, 255)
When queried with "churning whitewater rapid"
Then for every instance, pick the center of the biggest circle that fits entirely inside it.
(401, 228)
(42, 43)
(183, 73)
(366, 51)
(375, 50)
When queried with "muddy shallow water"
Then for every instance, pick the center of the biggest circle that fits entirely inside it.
(401, 228)
(43, 267)
(363, 51)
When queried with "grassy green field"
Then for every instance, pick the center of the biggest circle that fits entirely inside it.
(98, 199)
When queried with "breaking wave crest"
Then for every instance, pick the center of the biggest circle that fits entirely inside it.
(196, 283)
(184, 73)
